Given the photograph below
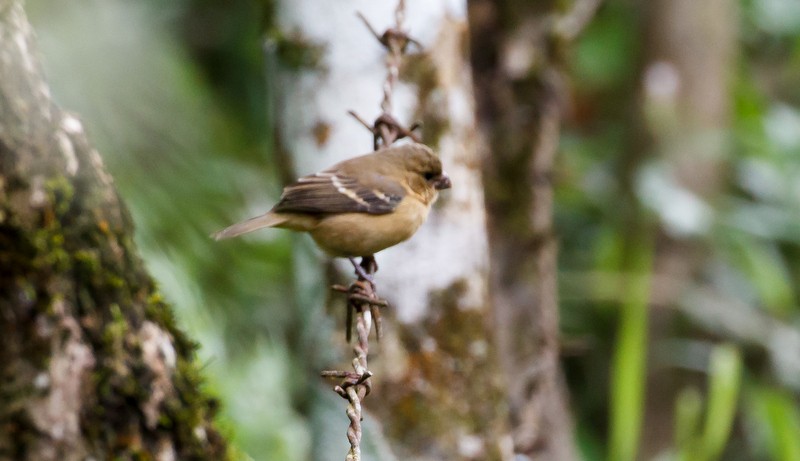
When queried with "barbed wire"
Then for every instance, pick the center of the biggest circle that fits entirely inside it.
(363, 303)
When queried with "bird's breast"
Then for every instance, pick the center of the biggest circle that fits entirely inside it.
(359, 234)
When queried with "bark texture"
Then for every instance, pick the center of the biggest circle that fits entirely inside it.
(91, 363)
(519, 87)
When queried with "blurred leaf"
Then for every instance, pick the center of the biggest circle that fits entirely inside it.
(776, 418)
(591, 448)
(777, 16)
(723, 394)
(766, 269)
(681, 212)
(628, 366)
(605, 50)
(763, 220)
(724, 378)
(688, 414)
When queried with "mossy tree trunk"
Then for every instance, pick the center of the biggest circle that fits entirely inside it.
(91, 363)
(517, 58)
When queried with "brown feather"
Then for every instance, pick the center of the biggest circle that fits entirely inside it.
(333, 192)
(259, 222)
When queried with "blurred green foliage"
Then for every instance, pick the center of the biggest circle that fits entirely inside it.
(746, 293)
(630, 355)
(696, 442)
(174, 96)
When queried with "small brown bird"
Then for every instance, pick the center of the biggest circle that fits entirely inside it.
(359, 206)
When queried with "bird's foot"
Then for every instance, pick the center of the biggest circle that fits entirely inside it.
(361, 296)
(369, 264)
(366, 269)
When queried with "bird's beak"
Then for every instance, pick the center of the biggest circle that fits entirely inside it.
(442, 182)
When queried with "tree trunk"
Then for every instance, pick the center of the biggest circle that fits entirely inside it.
(519, 86)
(92, 364)
(689, 60)
(436, 388)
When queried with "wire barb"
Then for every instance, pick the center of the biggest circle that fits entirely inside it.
(363, 304)
(386, 129)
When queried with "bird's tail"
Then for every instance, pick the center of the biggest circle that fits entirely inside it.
(259, 222)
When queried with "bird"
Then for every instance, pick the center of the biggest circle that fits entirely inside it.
(360, 206)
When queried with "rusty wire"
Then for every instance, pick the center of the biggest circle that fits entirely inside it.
(362, 301)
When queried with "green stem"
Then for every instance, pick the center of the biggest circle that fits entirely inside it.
(629, 361)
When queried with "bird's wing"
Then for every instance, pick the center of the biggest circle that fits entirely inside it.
(336, 192)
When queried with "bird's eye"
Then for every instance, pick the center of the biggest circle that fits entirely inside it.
(428, 176)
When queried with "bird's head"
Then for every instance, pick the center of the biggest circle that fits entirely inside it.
(425, 170)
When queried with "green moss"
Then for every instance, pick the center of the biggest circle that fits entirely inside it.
(190, 407)
(453, 372)
(85, 300)
(115, 331)
(73, 253)
(48, 240)
(114, 281)
(51, 257)
(60, 193)
(159, 312)
(87, 261)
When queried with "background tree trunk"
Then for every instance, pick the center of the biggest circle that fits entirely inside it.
(436, 390)
(683, 122)
(91, 362)
(516, 50)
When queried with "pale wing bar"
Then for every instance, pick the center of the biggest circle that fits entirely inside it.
(328, 192)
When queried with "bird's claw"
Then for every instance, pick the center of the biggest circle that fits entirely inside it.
(365, 269)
